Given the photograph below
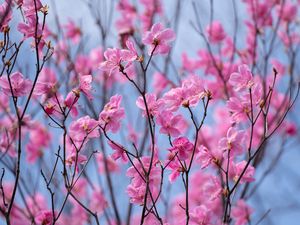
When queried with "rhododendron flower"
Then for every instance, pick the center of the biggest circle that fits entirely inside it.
(239, 109)
(83, 128)
(160, 82)
(20, 85)
(137, 188)
(188, 95)
(172, 125)
(75, 159)
(158, 39)
(115, 58)
(215, 32)
(73, 32)
(112, 166)
(39, 138)
(85, 86)
(119, 151)
(44, 217)
(46, 83)
(200, 215)
(188, 64)
(112, 113)
(233, 141)
(5, 15)
(175, 166)
(236, 170)
(183, 147)
(241, 213)
(153, 104)
(72, 98)
(98, 202)
(287, 11)
(241, 79)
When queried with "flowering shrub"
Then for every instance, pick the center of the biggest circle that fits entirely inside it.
(134, 129)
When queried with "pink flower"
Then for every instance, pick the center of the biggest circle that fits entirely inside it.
(188, 95)
(98, 202)
(206, 157)
(114, 58)
(189, 64)
(39, 138)
(170, 124)
(239, 109)
(158, 39)
(112, 113)
(85, 86)
(110, 162)
(201, 215)
(44, 217)
(160, 82)
(242, 79)
(20, 85)
(72, 98)
(233, 141)
(73, 32)
(288, 12)
(241, 213)
(74, 158)
(5, 11)
(46, 83)
(137, 188)
(83, 128)
(175, 166)
(183, 147)
(215, 32)
(235, 171)
(119, 151)
(153, 105)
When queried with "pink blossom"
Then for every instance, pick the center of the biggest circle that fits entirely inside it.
(39, 138)
(183, 147)
(188, 95)
(30, 6)
(73, 32)
(235, 172)
(20, 85)
(160, 82)
(46, 83)
(158, 39)
(112, 113)
(96, 57)
(5, 11)
(200, 215)
(75, 158)
(119, 151)
(172, 125)
(188, 64)
(241, 213)
(98, 202)
(153, 104)
(241, 79)
(112, 166)
(233, 141)
(288, 11)
(44, 217)
(83, 128)
(175, 166)
(85, 85)
(112, 61)
(137, 188)
(239, 109)
(215, 32)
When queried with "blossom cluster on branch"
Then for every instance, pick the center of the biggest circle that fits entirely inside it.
(134, 129)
